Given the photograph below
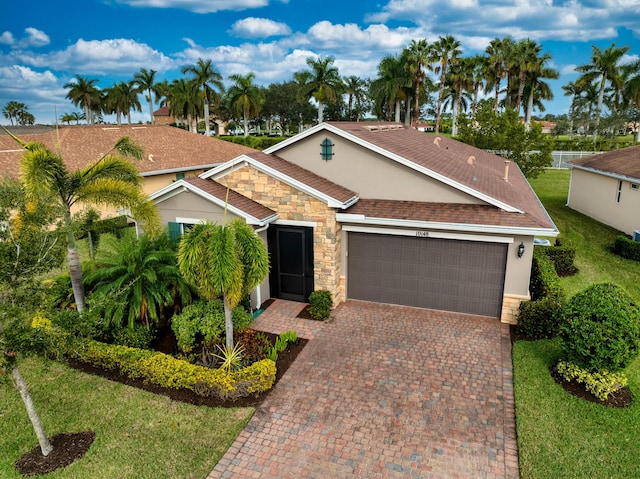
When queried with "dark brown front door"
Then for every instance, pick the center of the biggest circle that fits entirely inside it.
(291, 255)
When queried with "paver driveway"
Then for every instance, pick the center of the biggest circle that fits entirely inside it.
(384, 392)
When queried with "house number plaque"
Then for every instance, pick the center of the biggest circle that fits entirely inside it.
(422, 234)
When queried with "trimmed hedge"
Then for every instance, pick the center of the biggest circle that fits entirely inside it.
(563, 258)
(540, 317)
(320, 304)
(166, 371)
(627, 248)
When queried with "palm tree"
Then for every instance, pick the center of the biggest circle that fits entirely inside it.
(632, 89)
(478, 65)
(227, 260)
(573, 90)
(245, 98)
(121, 99)
(417, 59)
(388, 89)
(110, 181)
(139, 277)
(206, 76)
(84, 94)
(526, 55)
(539, 89)
(144, 80)
(459, 83)
(323, 84)
(12, 110)
(497, 52)
(183, 99)
(443, 53)
(604, 68)
(355, 88)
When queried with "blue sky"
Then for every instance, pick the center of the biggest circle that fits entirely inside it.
(43, 45)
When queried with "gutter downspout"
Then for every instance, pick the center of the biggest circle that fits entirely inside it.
(258, 293)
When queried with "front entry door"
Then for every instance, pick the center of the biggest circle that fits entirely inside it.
(291, 255)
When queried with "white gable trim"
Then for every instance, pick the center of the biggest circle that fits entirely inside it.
(608, 174)
(403, 161)
(182, 186)
(244, 160)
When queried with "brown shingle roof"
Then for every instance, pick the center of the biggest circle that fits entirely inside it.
(450, 158)
(624, 162)
(466, 214)
(236, 200)
(304, 176)
(165, 147)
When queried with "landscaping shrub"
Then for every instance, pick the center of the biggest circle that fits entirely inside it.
(166, 371)
(601, 328)
(320, 304)
(627, 248)
(601, 383)
(281, 344)
(203, 322)
(562, 256)
(257, 142)
(540, 317)
(137, 336)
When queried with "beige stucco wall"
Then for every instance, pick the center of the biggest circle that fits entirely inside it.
(369, 174)
(293, 205)
(595, 196)
(151, 184)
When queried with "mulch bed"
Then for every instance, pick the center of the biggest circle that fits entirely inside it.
(67, 448)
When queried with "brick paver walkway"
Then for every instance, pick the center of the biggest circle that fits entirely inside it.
(384, 392)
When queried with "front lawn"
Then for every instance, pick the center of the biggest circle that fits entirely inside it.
(138, 434)
(560, 435)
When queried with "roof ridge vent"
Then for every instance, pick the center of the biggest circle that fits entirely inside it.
(436, 141)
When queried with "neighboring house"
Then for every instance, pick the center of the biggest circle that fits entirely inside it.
(378, 212)
(170, 153)
(606, 187)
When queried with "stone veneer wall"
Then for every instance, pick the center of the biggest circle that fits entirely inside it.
(291, 204)
(511, 306)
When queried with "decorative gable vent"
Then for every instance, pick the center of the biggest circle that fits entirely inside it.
(326, 149)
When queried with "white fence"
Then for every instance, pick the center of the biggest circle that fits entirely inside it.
(560, 158)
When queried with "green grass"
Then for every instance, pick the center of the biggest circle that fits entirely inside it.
(560, 435)
(593, 240)
(138, 434)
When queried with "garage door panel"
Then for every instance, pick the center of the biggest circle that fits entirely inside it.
(450, 275)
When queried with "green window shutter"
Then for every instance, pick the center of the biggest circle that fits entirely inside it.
(180, 176)
(326, 149)
(174, 230)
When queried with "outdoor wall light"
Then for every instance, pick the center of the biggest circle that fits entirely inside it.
(520, 250)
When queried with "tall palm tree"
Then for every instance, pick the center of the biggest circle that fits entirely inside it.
(121, 99)
(459, 83)
(145, 80)
(632, 89)
(206, 76)
(525, 53)
(497, 53)
(388, 88)
(323, 83)
(356, 90)
(245, 98)
(604, 69)
(537, 87)
(84, 93)
(444, 52)
(12, 110)
(139, 277)
(227, 260)
(183, 99)
(573, 90)
(417, 58)
(478, 65)
(110, 181)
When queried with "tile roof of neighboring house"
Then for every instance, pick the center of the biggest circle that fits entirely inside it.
(624, 162)
(236, 200)
(162, 111)
(166, 149)
(463, 164)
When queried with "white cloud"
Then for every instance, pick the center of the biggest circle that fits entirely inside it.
(199, 6)
(35, 38)
(7, 38)
(101, 57)
(253, 27)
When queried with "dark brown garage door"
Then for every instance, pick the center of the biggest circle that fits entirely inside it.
(449, 275)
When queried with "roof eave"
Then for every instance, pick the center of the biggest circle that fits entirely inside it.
(609, 174)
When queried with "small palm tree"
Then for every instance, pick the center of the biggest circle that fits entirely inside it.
(139, 277)
(227, 261)
(245, 98)
(112, 181)
(206, 76)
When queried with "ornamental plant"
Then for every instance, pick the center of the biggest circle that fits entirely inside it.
(320, 303)
(601, 328)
